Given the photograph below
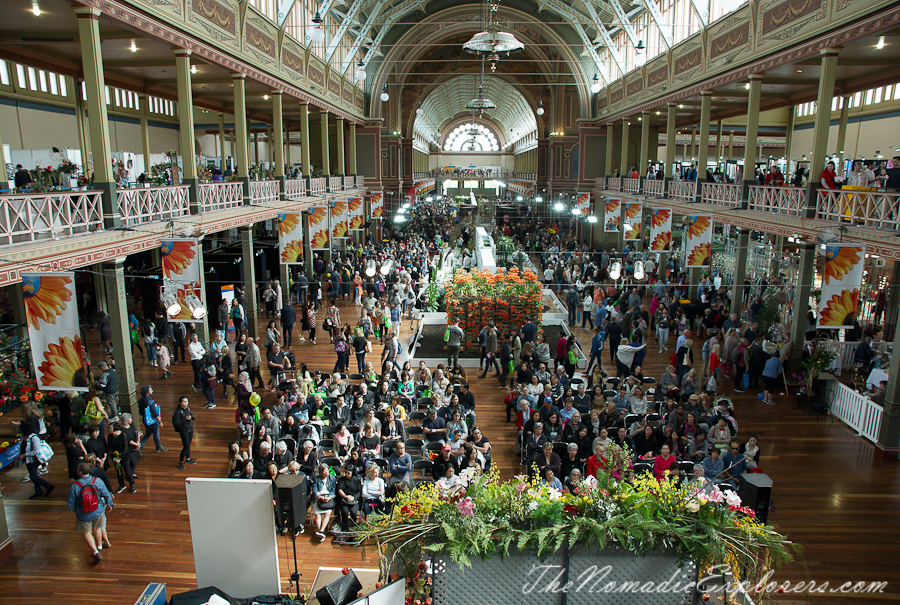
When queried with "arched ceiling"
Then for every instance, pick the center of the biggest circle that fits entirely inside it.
(447, 101)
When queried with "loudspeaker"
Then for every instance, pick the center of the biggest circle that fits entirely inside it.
(755, 491)
(200, 596)
(341, 591)
(291, 501)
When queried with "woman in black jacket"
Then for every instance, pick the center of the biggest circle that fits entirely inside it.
(183, 423)
(349, 491)
(226, 372)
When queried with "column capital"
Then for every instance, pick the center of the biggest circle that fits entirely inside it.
(238, 76)
(339, 118)
(181, 52)
(672, 105)
(706, 93)
(645, 113)
(831, 51)
(275, 92)
(753, 77)
(87, 12)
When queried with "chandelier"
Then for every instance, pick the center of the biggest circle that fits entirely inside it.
(493, 40)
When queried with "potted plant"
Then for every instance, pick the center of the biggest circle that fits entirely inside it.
(819, 361)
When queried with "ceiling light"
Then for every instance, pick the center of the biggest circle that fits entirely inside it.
(519, 198)
(559, 206)
(385, 97)
(170, 304)
(681, 107)
(592, 219)
(747, 85)
(799, 71)
(266, 97)
(193, 69)
(133, 47)
(387, 265)
(198, 311)
(360, 72)
(595, 86)
(879, 46)
(399, 218)
(317, 34)
(640, 47)
(419, 110)
(639, 273)
(615, 271)
(37, 13)
(538, 199)
(540, 108)
(657, 113)
(370, 268)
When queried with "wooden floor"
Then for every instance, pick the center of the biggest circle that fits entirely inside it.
(831, 496)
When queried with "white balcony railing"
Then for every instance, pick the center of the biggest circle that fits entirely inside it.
(219, 196)
(868, 208)
(682, 190)
(632, 185)
(264, 192)
(36, 216)
(318, 186)
(348, 183)
(654, 187)
(600, 182)
(334, 184)
(614, 183)
(855, 409)
(721, 194)
(360, 181)
(789, 201)
(148, 204)
(294, 188)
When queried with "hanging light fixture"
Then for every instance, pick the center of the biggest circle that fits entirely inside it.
(360, 71)
(385, 97)
(540, 109)
(559, 206)
(36, 10)
(419, 110)
(198, 311)
(592, 219)
(132, 48)
(387, 265)
(595, 86)
(615, 271)
(639, 273)
(493, 41)
(370, 268)
(316, 33)
(170, 304)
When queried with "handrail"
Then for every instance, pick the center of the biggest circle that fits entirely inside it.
(654, 187)
(220, 196)
(334, 184)
(877, 209)
(148, 204)
(614, 183)
(360, 181)
(682, 190)
(294, 188)
(789, 201)
(36, 216)
(348, 183)
(318, 186)
(855, 409)
(264, 192)
(632, 185)
(721, 194)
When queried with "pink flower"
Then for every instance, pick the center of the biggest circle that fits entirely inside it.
(466, 507)
(716, 495)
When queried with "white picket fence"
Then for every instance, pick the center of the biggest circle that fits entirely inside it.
(855, 409)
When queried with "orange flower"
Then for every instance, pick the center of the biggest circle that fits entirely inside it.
(316, 216)
(177, 256)
(632, 210)
(659, 216)
(697, 225)
(287, 223)
(62, 366)
(699, 256)
(840, 260)
(634, 232)
(45, 297)
(319, 239)
(841, 309)
(292, 253)
(662, 242)
(612, 206)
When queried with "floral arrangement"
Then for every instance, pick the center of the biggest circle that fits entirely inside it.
(205, 175)
(504, 297)
(482, 517)
(819, 361)
(68, 167)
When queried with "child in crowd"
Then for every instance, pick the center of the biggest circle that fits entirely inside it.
(162, 359)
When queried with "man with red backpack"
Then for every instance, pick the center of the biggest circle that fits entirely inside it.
(89, 499)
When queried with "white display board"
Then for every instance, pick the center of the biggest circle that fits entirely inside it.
(233, 535)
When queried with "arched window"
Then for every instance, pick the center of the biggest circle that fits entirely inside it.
(471, 137)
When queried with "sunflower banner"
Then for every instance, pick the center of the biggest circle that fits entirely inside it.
(376, 204)
(611, 216)
(699, 240)
(181, 264)
(660, 229)
(841, 284)
(357, 216)
(582, 204)
(634, 218)
(52, 316)
(319, 233)
(339, 219)
(290, 238)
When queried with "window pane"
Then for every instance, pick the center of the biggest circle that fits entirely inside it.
(869, 96)
(118, 101)
(42, 78)
(857, 98)
(63, 90)
(834, 102)
(107, 95)
(20, 72)
(53, 87)
(32, 79)
(4, 73)
(897, 92)
(878, 92)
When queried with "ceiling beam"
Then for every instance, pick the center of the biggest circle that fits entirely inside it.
(284, 9)
(565, 11)
(702, 14)
(345, 24)
(362, 36)
(623, 19)
(653, 9)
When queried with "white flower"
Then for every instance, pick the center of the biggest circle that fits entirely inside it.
(732, 499)
(532, 506)
(554, 494)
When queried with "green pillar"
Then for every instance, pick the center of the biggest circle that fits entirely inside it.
(247, 259)
(703, 142)
(740, 271)
(789, 140)
(693, 143)
(893, 303)
(822, 123)
(92, 64)
(241, 152)
(222, 154)
(351, 152)
(341, 161)
(731, 145)
(278, 143)
(326, 159)
(752, 130)
(719, 127)
(610, 141)
(145, 134)
(84, 135)
(186, 126)
(288, 159)
(623, 165)
(304, 139)
(842, 132)
(114, 276)
(889, 436)
(645, 143)
(671, 109)
(801, 299)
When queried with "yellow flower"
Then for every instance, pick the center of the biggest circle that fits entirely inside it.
(659, 216)
(63, 366)
(293, 253)
(841, 309)
(840, 260)
(287, 223)
(699, 256)
(697, 225)
(45, 297)
(177, 256)
(662, 242)
(632, 210)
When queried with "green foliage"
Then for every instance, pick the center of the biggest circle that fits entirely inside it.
(769, 315)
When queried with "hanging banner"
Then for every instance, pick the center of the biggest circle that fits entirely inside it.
(339, 219)
(411, 196)
(317, 221)
(357, 216)
(376, 204)
(582, 204)
(290, 238)
(52, 316)
(611, 216)
(699, 241)
(634, 218)
(841, 284)
(181, 264)
(660, 229)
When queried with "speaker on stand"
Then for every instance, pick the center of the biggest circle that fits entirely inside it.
(290, 506)
(755, 491)
(340, 591)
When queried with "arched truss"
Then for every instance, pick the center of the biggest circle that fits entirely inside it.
(477, 136)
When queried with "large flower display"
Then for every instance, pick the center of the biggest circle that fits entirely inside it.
(504, 297)
(841, 283)
(355, 207)
(45, 298)
(662, 242)
(611, 215)
(582, 205)
(376, 204)
(840, 261)
(287, 223)
(290, 238)
(699, 256)
(660, 229)
(317, 221)
(177, 256)
(63, 365)
(339, 219)
(699, 241)
(840, 309)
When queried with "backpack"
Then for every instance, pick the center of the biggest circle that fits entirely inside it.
(399, 349)
(735, 355)
(90, 496)
(43, 452)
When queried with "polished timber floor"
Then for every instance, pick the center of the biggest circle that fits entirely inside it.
(831, 495)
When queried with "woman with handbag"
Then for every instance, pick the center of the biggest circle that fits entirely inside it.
(208, 380)
(323, 491)
(33, 444)
(349, 488)
(343, 358)
(226, 371)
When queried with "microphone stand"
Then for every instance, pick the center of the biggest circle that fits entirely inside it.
(295, 575)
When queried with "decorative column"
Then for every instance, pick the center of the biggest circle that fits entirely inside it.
(893, 304)
(740, 271)
(693, 143)
(241, 152)
(304, 139)
(623, 165)
(247, 260)
(145, 133)
(186, 126)
(842, 132)
(789, 141)
(341, 160)
(84, 136)
(889, 436)
(326, 159)
(731, 145)
(645, 143)
(222, 154)
(703, 142)
(351, 150)
(114, 276)
(255, 137)
(752, 130)
(719, 144)
(95, 84)
(801, 300)
(669, 168)
(287, 150)
(610, 141)
(822, 124)
(278, 143)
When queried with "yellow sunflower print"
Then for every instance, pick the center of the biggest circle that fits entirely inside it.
(697, 225)
(292, 253)
(661, 242)
(612, 206)
(316, 216)
(63, 366)
(177, 257)
(45, 298)
(840, 260)
(659, 216)
(841, 309)
(287, 223)
(699, 256)
(632, 210)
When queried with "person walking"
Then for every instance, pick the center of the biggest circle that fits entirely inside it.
(490, 350)
(455, 334)
(32, 463)
(150, 416)
(254, 361)
(197, 353)
(288, 319)
(109, 386)
(183, 423)
(89, 500)
(238, 318)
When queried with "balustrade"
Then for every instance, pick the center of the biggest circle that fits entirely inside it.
(682, 190)
(654, 187)
(220, 196)
(720, 194)
(148, 204)
(294, 188)
(35, 216)
(877, 209)
(632, 185)
(318, 186)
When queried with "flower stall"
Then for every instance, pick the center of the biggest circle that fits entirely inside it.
(504, 297)
(484, 540)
